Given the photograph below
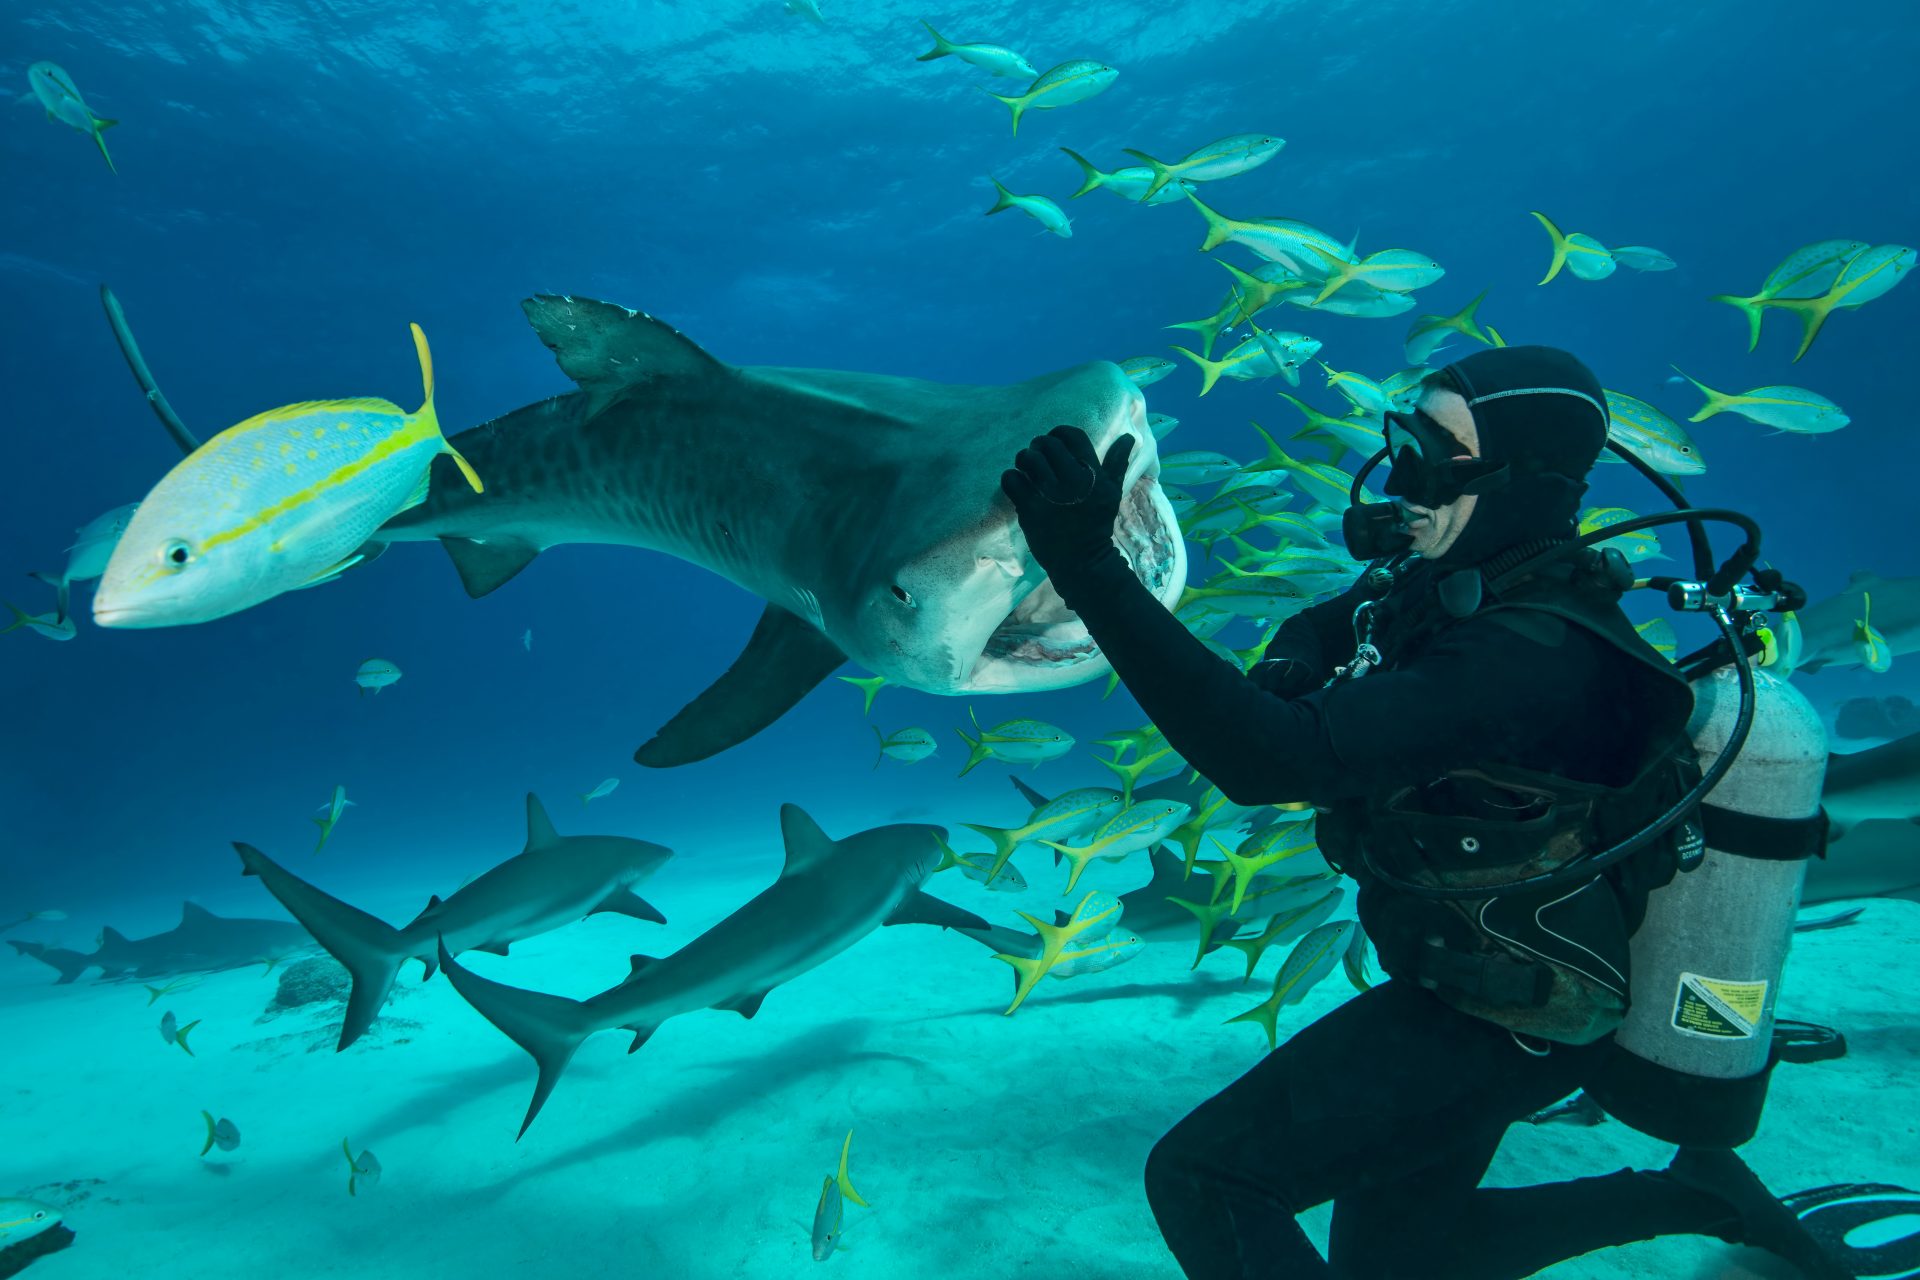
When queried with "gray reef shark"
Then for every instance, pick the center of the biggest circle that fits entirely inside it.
(865, 509)
(1825, 628)
(1872, 799)
(830, 894)
(554, 881)
(201, 943)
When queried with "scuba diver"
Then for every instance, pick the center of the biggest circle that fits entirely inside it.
(1475, 711)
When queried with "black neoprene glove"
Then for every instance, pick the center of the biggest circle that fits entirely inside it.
(1067, 498)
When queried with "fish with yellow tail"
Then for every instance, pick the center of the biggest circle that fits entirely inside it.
(1389, 270)
(1807, 272)
(1223, 159)
(1309, 962)
(363, 1170)
(1137, 827)
(1061, 86)
(1578, 252)
(1090, 923)
(1870, 645)
(1783, 408)
(1031, 742)
(281, 501)
(1869, 275)
(829, 1216)
(56, 91)
(1072, 813)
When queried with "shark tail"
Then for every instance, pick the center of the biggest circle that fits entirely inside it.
(70, 964)
(1092, 179)
(1748, 307)
(371, 949)
(550, 1028)
(1559, 246)
(62, 591)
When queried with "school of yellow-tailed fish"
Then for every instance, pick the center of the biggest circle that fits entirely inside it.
(282, 501)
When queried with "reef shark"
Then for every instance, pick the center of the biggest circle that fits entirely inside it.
(553, 881)
(1872, 799)
(865, 509)
(201, 943)
(1825, 629)
(830, 894)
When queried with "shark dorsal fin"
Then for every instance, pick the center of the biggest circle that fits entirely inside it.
(193, 913)
(112, 937)
(637, 965)
(608, 350)
(1862, 578)
(540, 832)
(432, 902)
(807, 845)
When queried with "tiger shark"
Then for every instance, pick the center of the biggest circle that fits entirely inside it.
(830, 895)
(1823, 633)
(554, 881)
(865, 509)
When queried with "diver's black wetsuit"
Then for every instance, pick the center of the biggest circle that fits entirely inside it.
(1392, 1105)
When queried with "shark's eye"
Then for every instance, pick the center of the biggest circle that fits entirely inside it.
(176, 554)
(901, 594)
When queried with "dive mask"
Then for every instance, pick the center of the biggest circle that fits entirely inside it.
(1429, 468)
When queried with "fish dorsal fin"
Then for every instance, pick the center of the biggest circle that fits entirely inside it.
(807, 845)
(609, 350)
(193, 913)
(540, 832)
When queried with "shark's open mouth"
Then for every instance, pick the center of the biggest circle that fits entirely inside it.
(1042, 633)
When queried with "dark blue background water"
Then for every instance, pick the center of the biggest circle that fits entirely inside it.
(298, 181)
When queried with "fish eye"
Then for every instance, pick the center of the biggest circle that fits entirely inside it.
(39, 1214)
(176, 554)
(905, 597)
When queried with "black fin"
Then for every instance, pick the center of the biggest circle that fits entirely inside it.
(1032, 797)
(608, 350)
(626, 902)
(924, 908)
(486, 566)
(784, 659)
(746, 1006)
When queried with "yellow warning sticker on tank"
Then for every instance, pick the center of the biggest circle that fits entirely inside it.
(1718, 1008)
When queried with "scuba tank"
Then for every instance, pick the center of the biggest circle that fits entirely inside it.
(1691, 1061)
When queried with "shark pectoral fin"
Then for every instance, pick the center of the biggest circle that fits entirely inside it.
(924, 908)
(609, 350)
(746, 1006)
(640, 1037)
(486, 566)
(626, 902)
(432, 964)
(784, 659)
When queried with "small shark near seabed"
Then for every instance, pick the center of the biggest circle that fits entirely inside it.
(831, 894)
(865, 509)
(1872, 799)
(201, 943)
(554, 881)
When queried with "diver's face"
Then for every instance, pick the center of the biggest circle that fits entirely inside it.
(1436, 529)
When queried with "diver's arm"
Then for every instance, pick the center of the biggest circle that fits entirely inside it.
(1310, 644)
(1256, 747)
(1478, 692)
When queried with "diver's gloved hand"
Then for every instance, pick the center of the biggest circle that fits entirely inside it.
(1285, 677)
(1067, 498)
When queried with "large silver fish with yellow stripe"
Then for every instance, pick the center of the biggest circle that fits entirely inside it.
(281, 501)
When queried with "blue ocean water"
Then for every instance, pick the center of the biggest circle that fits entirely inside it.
(298, 181)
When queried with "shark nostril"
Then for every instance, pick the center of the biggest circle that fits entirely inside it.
(905, 597)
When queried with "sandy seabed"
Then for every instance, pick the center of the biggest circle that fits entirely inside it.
(988, 1146)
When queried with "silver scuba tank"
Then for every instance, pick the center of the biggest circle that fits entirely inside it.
(1692, 1055)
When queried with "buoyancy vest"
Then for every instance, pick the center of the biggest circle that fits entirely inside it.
(1554, 963)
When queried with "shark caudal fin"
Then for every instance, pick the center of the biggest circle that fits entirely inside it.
(371, 949)
(550, 1028)
(69, 964)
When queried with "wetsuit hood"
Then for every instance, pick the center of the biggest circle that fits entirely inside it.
(1543, 412)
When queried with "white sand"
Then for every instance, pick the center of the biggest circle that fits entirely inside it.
(989, 1146)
